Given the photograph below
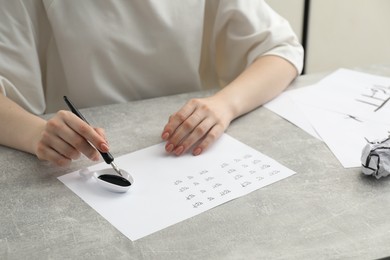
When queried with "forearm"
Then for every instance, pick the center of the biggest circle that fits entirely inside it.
(18, 128)
(263, 80)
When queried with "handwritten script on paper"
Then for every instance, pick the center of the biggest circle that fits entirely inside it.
(169, 189)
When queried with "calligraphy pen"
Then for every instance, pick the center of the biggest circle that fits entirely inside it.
(108, 158)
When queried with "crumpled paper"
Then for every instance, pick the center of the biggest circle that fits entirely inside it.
(376, 158)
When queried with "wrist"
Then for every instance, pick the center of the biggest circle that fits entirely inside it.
(227, 105)
(36, 135)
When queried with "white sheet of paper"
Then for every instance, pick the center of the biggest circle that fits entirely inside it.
(350, 92)
(169, 189)
(344, 108)
(284, 106)
(344, 135)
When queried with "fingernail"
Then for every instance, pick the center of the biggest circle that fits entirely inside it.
(169, 148)
(165, 136)
(179, 150)
(104, 147)
(197, 151)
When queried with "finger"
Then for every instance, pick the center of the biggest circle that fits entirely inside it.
(185, 129)
(88, 133)
(54, 142)
(102, 133)
(82, 145)
(199, 132)
(57, 158)
(178, 118)
(68, 135)
(209, 139)
(83, 129)
(46, 153)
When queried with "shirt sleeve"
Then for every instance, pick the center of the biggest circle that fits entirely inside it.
(246, 30)
(23, 40)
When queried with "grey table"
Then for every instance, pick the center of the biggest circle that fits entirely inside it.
(322, 212)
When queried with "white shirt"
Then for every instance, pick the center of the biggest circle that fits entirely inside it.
(101, 52)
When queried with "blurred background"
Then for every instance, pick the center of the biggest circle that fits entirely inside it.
(339, 33)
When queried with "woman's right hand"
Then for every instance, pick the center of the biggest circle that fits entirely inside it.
(65, 137)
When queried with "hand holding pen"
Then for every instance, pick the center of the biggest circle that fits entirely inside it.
(108, 158)
(66, 136)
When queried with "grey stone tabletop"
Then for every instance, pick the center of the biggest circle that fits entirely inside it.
(323, 212)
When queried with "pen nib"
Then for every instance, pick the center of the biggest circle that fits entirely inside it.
(116, 168)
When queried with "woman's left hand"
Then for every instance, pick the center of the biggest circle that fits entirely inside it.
(198, 124)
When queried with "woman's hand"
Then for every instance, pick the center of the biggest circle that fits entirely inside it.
(198, 124)
(201, 121)
(65, 137)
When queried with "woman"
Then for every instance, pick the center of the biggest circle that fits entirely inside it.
(103, 52)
